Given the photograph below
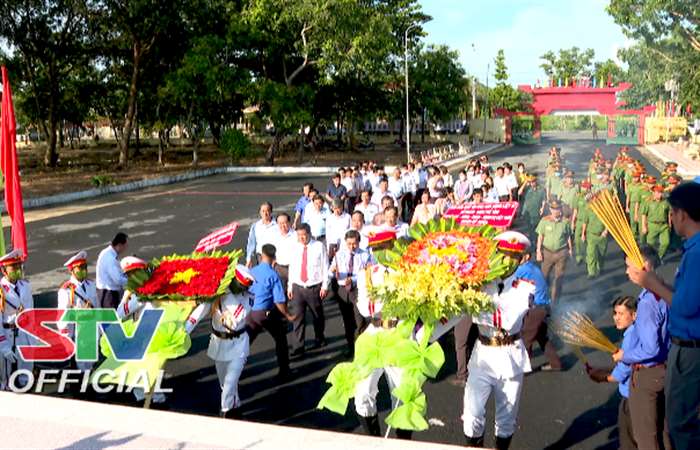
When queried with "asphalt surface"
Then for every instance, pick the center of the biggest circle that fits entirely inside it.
(557, 409)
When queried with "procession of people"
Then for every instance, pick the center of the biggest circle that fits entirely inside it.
(325, 250)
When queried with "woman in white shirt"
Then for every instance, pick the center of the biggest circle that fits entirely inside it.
(435, 184)
(447, 178)
(424, 210)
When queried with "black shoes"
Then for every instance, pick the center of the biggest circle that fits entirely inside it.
(319, 343)
(297, 353)
(370, 425)
(475, 441)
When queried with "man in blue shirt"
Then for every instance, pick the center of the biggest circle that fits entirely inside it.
(535, 322)
(647, 357)
(270, 308)
(683, 365)
(304, 200)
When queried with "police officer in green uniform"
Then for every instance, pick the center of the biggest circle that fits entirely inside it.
(676, 241)
(644, 198)
(554, 183)
(554, 246)
(594, 234)
(569, 193)
(633, 190)
(532, 197)
(656, 221)
(577, 220)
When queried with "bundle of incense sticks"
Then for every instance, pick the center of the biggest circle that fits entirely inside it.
(578, 330)
(607, 207)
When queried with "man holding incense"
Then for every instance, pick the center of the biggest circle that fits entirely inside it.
(646, 356)
(683, 365)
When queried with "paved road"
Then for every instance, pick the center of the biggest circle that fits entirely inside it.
(558, 410)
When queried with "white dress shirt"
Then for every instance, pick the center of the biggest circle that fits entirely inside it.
(259, 235)
(316, 265)
(369, 211)
(336, 226)
(109, 273)
(501, 186)
(512, 181)
(316, 219)
(283, 246)
(396, 187)
(410, 182)
(378, 196)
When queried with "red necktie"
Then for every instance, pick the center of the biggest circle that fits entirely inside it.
(350, 270)
(304, 275)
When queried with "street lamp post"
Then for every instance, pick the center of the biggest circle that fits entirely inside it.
(483, 136)
(408, 121)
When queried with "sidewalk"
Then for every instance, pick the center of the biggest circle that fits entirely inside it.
(659, 154)
(39, 421)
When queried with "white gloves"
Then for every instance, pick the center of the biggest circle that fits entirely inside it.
(9, 355)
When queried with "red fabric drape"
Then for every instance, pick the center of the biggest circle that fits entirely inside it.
(10, 167)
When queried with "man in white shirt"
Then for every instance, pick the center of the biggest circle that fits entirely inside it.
(110, 280)
(284, 244)
(396, 184)
(336, 225)
(382, 192)
(261, 232)
(315, 215)
(308, 286)
(391, 221)
(366, 207)
(357, 223)
(500, 183)
(511, 180)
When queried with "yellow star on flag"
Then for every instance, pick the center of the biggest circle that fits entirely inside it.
(184, 277)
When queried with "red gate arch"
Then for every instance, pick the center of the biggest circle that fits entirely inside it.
(552, 99)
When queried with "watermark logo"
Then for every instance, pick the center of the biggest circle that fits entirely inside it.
(57, 346)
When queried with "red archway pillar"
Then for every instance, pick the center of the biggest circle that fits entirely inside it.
(537, 132)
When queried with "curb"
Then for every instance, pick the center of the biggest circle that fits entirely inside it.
(52, 200)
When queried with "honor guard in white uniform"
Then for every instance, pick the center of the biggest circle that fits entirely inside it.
(131, 306)
(229, 344)
(77, 293)
(499, 360)
(15, 297)
(367, 389)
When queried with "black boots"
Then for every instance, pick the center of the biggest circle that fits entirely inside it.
(404, 434)
(230, 414)
(371, 425)
(475, 441)
(502, 443)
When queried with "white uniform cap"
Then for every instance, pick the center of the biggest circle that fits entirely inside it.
(513, 241)
(76, 260)
(129, 263)
(244, 276)
(14, 257)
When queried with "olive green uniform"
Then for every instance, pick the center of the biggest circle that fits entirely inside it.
(658, 229)
(554, 185)
(568, 198)
(633, 191)
(596, 245)
(579, 245)
(531, 206)
(644, 198)
(555, 235)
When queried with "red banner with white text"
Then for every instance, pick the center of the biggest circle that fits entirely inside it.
(499, 215)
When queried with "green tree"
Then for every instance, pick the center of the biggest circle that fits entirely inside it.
(503, 95)
(567, 64)
(48, 40)
(608, 69)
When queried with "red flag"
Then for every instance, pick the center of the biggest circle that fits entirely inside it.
(10, 168)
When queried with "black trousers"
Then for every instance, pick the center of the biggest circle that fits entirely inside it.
(535, 330)
(303, 299)
(683, 397)
(353, 322)
(272, 322)
(466, 334)
(108, 299)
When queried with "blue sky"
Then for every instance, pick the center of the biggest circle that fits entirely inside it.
(525, 29)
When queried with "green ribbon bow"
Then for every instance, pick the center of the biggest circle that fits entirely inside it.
(343, 379)
(410, 414)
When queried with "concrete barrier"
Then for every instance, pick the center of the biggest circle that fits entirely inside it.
(38, 421)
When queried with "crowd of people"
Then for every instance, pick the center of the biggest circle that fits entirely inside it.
(323, 250)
